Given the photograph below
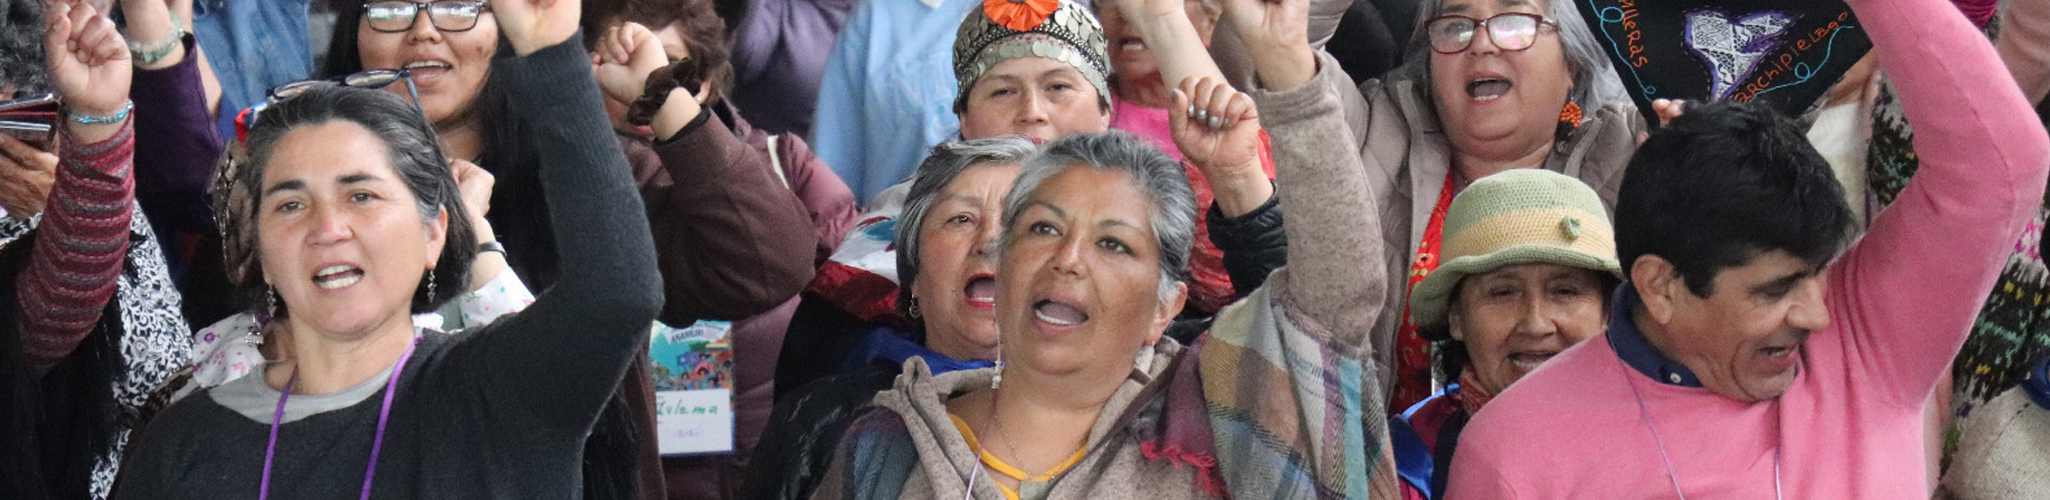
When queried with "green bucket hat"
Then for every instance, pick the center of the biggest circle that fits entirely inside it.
(1521, 216)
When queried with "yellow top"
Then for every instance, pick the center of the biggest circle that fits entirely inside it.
(998, 465)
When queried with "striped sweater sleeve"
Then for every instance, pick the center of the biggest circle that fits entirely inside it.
(80, 247)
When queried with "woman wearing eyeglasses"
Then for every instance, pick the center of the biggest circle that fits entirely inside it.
(1487, 86)
(356, 224)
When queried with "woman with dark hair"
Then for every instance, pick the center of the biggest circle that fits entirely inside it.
(1529, 267)
(686, 48)
(348, 245)
(731, 241)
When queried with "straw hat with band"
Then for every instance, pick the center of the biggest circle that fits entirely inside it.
(1002, 30)
(1521, 216)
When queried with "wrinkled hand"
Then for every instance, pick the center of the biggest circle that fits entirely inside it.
(1224, 131)
(624, 58)
(88, 58)
(26, 174)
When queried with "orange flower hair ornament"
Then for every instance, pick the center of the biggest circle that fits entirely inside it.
(1019, 15)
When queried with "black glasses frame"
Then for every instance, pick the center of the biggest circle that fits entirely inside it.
(428, 8)
(1482, 25)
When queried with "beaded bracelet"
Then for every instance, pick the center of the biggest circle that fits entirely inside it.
(148, 54)
(117, 117)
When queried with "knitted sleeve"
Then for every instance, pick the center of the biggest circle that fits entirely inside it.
(79, 253)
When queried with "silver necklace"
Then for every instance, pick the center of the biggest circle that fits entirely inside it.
(1645, 412)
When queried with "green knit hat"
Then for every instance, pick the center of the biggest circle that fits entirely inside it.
(1520, 216)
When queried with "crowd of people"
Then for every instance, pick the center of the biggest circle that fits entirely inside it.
(1367, 249)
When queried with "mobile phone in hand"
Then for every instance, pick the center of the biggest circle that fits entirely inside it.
(33, 120)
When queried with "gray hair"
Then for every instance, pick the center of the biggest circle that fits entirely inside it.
(947, 161)
(1159, 178)
(410, 146)
(1595, 83)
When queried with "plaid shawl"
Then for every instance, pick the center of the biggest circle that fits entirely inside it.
(1292, 414)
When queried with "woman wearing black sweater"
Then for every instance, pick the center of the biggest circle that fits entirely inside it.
(349, 242)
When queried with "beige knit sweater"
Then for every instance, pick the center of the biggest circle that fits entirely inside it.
(1394, 134)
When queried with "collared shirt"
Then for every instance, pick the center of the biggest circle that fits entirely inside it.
(888, 91)
(1637, 352)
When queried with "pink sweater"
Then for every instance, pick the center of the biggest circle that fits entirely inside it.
(1900, 302)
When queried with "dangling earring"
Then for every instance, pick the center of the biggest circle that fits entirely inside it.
(998, 379)
(913, 310)
(1569, 119)
(430, 285)
(270, 299)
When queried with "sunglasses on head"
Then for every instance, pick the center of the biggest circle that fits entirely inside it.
(371, 79)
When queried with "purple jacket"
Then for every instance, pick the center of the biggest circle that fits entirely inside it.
(779, 57)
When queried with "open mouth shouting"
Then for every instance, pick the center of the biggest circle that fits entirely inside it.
(981, 291)
(1058, 314)
(337, 276)
(1485, 88)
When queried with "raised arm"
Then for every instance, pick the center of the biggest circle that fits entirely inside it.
(84, 231)
(734, 241)
(574, 343)
(176, 142)
(1912, 286)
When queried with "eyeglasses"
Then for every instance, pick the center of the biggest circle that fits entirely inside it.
(371, 79)
(1452, 34)
(445, 15)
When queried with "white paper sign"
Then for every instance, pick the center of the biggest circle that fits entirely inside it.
(699, 421)
(693, 371)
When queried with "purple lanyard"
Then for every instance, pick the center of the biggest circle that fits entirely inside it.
(376, 445)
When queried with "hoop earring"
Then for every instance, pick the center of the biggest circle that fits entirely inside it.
(913, 310)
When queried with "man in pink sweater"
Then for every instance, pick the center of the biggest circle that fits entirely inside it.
(1740, 361)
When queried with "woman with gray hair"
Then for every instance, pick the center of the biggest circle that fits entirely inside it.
(1487, 86)
(943, 240)
(1092, 268)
